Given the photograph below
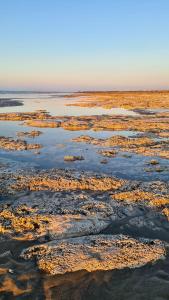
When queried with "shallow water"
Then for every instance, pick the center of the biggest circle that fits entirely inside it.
(56, 105)
(57, 142)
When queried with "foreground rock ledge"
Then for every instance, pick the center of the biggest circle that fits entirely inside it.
(91, 253)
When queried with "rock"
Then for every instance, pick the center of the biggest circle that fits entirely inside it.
(35, 226)
(58, 180)
(74, 124)
(164, 134)
(104, 161)
(11, 271)
(153, 162)
(139, 195)
(92, 253)
(73, 158)
(6, 254)
(54, 217)
(22, 116)
(30, 134)
(108, 152)
(43, 123)
(19, 145)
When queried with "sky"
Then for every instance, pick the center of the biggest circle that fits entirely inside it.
(69, 45)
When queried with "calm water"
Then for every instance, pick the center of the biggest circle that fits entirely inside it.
(57, 142)
(56, 105)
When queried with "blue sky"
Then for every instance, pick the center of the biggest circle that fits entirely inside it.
(84, 44)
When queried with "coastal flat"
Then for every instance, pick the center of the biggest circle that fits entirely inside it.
(93, 183)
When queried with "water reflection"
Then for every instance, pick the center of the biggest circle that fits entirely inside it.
(57, 142)
(56, 105)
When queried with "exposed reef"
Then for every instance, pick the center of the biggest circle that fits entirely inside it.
(42, 124)
(128, 100)
(22, 116)
(83, 202)
(30, 134)
(152, 123)
(59, 180)
(141, 145)
(65, 212)
(16, 145)
(103, 252)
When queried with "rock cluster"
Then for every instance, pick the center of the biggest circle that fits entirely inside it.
(11, 144)
(60, 181)
(69, 212)
(30, 134)
(140, 145)
(22, 116)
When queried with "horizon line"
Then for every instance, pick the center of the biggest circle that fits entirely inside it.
(84, 91)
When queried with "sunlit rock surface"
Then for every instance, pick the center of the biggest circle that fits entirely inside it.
(19, 145)
(60, 180)
(91, 253)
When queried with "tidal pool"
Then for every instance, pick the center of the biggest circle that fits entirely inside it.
(22, 279)
(57, 142)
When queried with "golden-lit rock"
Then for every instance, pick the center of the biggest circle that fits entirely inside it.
(30, 134)
(56, 182)
(73, 158)
(11, 144)
(108, 152)
(42, 123)
(141, 196)
(92, 253)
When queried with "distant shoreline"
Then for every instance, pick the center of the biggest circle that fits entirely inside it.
(85, 91)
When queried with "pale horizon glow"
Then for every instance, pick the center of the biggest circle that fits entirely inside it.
(71, 45)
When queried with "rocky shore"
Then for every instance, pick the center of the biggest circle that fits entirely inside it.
(63, 227)
(68, 212)
(130, 100)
